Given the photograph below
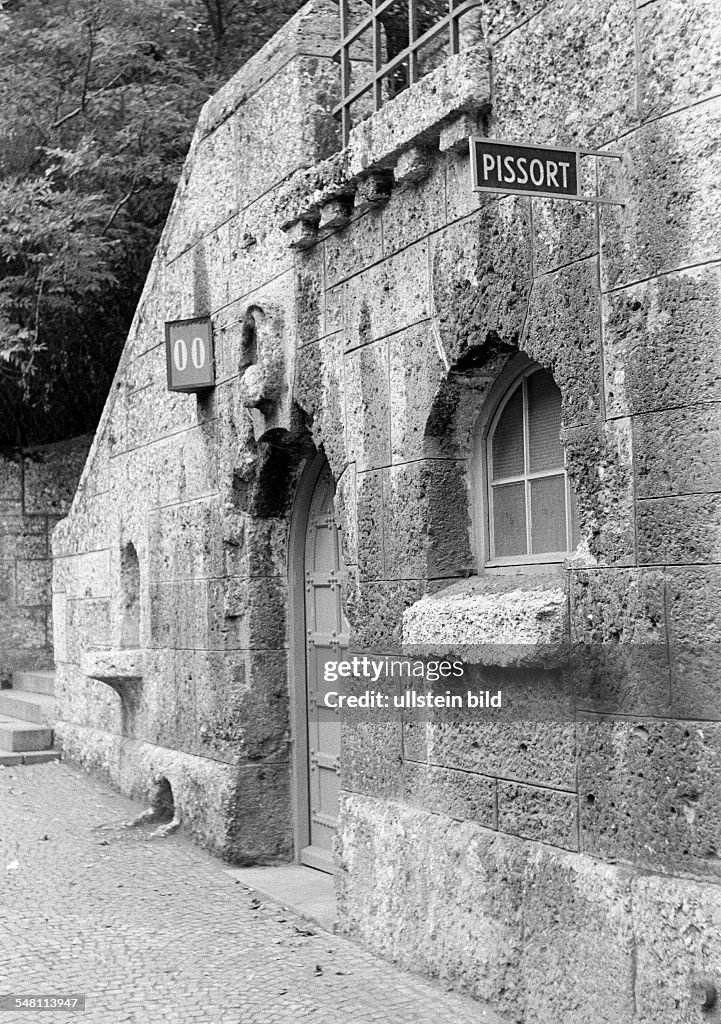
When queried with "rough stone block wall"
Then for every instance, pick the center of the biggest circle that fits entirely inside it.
(366, 304)
(36, 488)
(201, 697)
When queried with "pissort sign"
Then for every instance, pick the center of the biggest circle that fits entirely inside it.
(535, 170)
(189, 354)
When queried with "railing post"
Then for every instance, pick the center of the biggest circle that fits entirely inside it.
(345, 69)
(412, 36)
(454, 27)
(377, 59)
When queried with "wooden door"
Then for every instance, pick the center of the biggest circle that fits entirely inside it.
(326, 639)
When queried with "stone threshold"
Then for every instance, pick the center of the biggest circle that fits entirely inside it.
(306, 892)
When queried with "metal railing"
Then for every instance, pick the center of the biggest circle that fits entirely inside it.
(407, 59)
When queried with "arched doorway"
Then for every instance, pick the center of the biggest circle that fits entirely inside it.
(319, 633)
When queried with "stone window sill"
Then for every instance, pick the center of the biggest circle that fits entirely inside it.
(506, 620)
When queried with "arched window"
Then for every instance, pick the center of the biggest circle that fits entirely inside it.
(531, 514)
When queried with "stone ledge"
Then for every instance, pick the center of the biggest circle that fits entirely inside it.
(493, 620)
(117, 667)
(418, 117)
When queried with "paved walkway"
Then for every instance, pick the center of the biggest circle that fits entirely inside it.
(155, 931)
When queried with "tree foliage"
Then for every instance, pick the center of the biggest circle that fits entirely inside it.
(98, 101)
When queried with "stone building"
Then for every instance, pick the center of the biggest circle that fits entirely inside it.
(483, 426)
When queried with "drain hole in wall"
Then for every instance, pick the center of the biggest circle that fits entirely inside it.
(162, 800)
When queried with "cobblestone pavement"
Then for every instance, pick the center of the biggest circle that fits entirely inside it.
(156, 931)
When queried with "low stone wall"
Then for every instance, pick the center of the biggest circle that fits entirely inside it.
(36, 488)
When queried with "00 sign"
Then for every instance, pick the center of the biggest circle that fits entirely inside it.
(197, 354)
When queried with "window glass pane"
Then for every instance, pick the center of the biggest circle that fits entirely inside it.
(509, 520)
(508, 439)
(544, 424)
(548, 514)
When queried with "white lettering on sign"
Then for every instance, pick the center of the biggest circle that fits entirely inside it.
(508, 167)
(197, 353)
(180, 354)
(189, 354)
(510, 170)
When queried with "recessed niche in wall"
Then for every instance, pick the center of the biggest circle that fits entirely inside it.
(129, 597)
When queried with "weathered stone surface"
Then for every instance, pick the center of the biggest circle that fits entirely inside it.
(648, 793)
(32, 582)
(536, 752)
(471, 906)
(679, 530)
(372, 191)
(375, 611)
(464, 927)
(678, 451)
(676, 924)
(680, 57)
(241, 708)
(387, 297)
(588, 97)
(318, 390)
(348, 252)
(370, 554)
(309, 290)
(652, 328)
(562, 333)
(564, 232)
(694, 637)
(600, 465)
(455, 135)
(493, 621)
(619, 647)
(51, 475)
(367, 405)
(253, 546)
(412, 165)
(460, 199)
(578, 934)
(415, 373)
(248, 613)
(669, 221)
(372, 761)
(414, 212)
(481, 273)
(461, 795)
(546, 815)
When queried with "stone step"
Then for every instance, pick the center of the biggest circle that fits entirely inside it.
(38, 681)
(8, 759)
(18, 737)
(30, 707)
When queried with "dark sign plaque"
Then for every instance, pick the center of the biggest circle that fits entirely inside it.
(524, 170)
(189, 354)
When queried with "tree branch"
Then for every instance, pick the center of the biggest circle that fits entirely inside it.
(79, 109)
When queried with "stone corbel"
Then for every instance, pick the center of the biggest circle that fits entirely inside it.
(120, 668)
